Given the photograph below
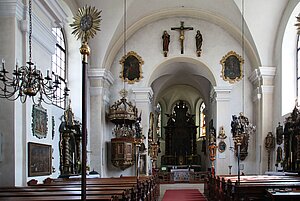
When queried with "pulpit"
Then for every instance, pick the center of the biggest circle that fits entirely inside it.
(122, 152)
(127, 131)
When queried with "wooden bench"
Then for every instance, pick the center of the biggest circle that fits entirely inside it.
(127, 188)
(147, 187)
(226, 187)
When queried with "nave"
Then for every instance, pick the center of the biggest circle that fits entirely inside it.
(149, 93)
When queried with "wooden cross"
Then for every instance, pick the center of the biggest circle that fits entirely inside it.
(181, 30)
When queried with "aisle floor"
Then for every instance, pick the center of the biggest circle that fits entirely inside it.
(164, 187)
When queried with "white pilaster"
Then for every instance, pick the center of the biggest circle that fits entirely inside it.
(223, 117)
(143, 97)
(100, 81)
(262, 80)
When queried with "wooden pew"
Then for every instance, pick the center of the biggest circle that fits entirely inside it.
(250, 187)
(127, 188)
(59, 198)
(147, 187)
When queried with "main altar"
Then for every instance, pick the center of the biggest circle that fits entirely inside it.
(180, 136)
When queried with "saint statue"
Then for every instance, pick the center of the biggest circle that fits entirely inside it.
(199, 40)
(166, 42)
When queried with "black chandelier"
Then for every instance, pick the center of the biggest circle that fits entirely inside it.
(28, 81)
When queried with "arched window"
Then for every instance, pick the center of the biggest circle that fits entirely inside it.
(290, 74)
(59, 66)
(158, 121)
(202, 124)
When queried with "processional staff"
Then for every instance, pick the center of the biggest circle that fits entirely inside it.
(86, 24)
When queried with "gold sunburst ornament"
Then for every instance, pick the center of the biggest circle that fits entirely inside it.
(86, 23)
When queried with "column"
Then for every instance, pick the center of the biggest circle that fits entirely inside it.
(220, 101)
(143, 98)
(262, 80)
(100, 81)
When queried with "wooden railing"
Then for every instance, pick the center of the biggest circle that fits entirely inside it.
(194, 177)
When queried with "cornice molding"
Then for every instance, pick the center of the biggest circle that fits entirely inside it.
(255, 77)
(143, 94)
(263, 75)
(12, 8)
(267, 70)
(221, 93)
(54, 11)
(43, 35)
(267, 89)
(102, 74)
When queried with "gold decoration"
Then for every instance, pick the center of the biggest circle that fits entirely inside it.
(86, 23)
(232, 70)
(222, 134)
(131, 67)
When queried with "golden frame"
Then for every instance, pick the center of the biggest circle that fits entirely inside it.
(131, 62)
(232, 67)
(222, 146)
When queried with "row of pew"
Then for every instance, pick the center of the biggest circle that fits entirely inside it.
(252, 188)
(126, 188)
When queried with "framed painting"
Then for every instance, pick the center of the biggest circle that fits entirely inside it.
(131, 67)
(222, 146)
(39, 159)
(232, 67)
(39, 121)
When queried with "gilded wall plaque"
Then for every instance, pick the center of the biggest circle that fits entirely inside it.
(131, 67)
(232, 69)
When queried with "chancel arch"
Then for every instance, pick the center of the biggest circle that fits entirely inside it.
(183, 83)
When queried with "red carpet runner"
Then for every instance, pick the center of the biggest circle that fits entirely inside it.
(183, 195)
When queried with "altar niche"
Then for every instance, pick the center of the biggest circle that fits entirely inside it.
(180, 132)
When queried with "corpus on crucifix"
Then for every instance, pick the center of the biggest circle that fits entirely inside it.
(181, 30)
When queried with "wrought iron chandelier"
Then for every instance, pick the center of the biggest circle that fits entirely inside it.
(28, 81)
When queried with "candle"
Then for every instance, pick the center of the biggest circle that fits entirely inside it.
(17, 63)
(73, 158)
(3, 64)
(47, 73)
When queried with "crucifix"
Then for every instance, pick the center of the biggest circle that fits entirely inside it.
(181, 29)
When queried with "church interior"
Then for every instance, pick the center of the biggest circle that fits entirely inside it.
(144, 95)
